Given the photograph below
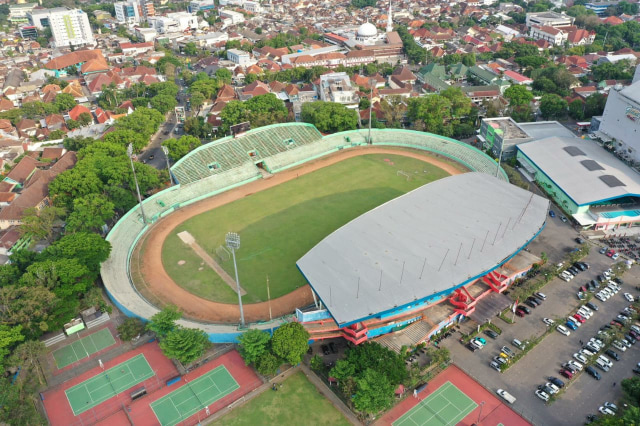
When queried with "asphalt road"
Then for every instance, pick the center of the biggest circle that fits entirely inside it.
(584, 395)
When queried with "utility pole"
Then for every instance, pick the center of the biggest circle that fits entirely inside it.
(135, 178)
(233, 242)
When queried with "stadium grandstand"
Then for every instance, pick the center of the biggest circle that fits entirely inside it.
(386, 268)
(234, 161)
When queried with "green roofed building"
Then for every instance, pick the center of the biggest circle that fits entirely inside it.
(434, 70)
(482, 75)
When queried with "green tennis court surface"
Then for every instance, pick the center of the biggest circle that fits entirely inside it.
(109, 383)
(194, 396)
(83, 348)
(446, 406)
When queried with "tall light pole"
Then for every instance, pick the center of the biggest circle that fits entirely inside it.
(500, 158)
(135, 178)
(371, 85)
(166, 156)
(233, 242)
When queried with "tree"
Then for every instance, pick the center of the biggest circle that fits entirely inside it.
(342, 370)
(164, 321)
(64, 102)
(124, 137)
(268, 364)
(185, 344)
(266, 109)
(197, 99)
(522, 113)
(594, 105)
(224, 75)
(469, 59)
(364, 103)
(433, 112)
(85, 119)
(190, 49)
(74, 183)
(374, 392)
(460, 103)
(164, 103)
(518, 95)
(576, 109)
(143, 120)
(329, 117)
(90, 249)
(553, 106)
(9, 338)
(178, 148)
(30, 307)
(371, 355)
(252, 344)
(233, 112)
(631, 388)
(38, 223)
(290, 342)
(90, 213)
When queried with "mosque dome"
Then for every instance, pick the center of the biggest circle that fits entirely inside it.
(367, 30)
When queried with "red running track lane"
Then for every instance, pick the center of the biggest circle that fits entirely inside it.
(495, 410)
(94, 356)
(141, 413)
(57, 405)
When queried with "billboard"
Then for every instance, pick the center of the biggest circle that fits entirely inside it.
(239, 129)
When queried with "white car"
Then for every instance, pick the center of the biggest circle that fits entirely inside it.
(580, 357)
(619, 346)
(563, 330)
(607, 274)
(545, 397)
(547, 321)
(606, 411)
(613, 289)
(586, 352)
(575, 364)
(584, 314)
(605, 360)
(629, 297)
(564, 277)
(600, 297)
(635, 328)
(553, 388)
(566, 274)
(615, 256)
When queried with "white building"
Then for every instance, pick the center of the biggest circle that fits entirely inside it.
(621, 121)
(69, 27)
(129, 12)
(198, 5)
(20, 12)
(551, 19)
(553, 35)
(145, 34)
(239, 57)
(336, 87)
(252, 6)
(185, 20)
(235, 17)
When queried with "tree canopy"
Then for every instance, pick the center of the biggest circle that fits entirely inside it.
(178, 148)
(252, 344)
(185, 344)
(290, 342)
(164, 321)
(329, 117)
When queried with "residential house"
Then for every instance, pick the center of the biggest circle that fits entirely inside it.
(27, 127)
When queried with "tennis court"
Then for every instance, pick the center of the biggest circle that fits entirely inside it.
(109, 383)
(83, 348)
(446, 406)
(194, 396)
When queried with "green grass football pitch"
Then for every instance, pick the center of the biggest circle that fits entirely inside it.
(83, 348)
(101, 387)
(446, 406)
(279, 225)
(194, 396)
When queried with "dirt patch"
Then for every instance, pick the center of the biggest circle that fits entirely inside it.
(147, 257)
(181, 262)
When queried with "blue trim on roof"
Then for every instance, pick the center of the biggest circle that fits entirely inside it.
(424, 299)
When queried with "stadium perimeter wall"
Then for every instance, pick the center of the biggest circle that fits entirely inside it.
(126, 233)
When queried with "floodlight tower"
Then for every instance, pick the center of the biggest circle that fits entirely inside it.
(233, 243)
(135, 178)
(166, 156)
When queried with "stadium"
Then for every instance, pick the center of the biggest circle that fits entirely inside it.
(295, 196)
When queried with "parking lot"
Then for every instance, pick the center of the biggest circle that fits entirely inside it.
(584, 394)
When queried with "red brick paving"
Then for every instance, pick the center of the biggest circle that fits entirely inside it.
(494, 411)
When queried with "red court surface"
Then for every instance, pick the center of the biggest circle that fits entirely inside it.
(57, 405)
(494, 412)
(140, 411)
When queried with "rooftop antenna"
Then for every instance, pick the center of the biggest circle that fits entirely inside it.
(402, 273)
(505, 228)
(524, 210)
(358, 291)
(380, 287)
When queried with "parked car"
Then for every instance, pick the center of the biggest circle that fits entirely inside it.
(580, 357)
(500, 360)
(518, 344)
(469, 346)
(628, 296)
(491, 333)
(606, 411)
(508, 351)
(563, 330)
(552, 213)
(548, 321)
(541, 295)
(575, 365)
(613, 354)
(506, 396)
(530, 303)
(615, 256)
(619, 345)
(564, 219)
(603, 250)
(541, 394)
(592, 306)
(566, 373)
(579, 240)
(570, 325)
(494, 365)
(611, 406)
(553, 389)
(593, 372)
(520, 313)
(559, 383)
(525, 309)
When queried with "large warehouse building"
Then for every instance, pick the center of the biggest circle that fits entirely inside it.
(621, 121)
(448, 240)
(599, 190)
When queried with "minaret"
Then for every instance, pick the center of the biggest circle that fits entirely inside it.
(389, 20)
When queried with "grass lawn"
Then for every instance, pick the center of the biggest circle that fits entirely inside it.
(296, 402)
(279, 225)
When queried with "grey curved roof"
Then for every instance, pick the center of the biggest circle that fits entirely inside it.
(421, 244)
